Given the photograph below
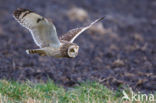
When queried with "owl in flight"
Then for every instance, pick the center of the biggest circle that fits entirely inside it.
(45, 36)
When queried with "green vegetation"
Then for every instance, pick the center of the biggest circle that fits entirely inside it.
(90, 92)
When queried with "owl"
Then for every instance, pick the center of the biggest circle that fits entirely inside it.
(45, 36)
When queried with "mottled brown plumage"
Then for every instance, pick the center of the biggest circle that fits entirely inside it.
(19, 11)
(70, 34)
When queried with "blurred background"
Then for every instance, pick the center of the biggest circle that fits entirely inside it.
(121, 50)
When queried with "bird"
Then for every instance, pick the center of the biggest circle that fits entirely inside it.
(45, 36)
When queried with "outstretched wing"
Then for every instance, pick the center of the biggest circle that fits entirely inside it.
(74, 33)
(43, 31)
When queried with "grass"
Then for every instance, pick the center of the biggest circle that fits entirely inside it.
(89, 92)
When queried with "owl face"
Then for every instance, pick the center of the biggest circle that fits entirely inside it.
(73, 50)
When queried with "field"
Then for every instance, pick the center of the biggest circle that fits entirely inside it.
(118, 56)
(27, 92)
(89, 92)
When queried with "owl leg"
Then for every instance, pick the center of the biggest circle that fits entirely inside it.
(36, 51)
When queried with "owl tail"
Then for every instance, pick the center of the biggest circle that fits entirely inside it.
(36, 51)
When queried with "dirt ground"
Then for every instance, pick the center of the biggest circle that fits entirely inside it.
(124, 56)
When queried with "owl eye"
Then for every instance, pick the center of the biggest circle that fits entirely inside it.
(72, 50)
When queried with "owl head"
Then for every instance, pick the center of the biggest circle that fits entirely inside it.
(69, 50)
(73, 51)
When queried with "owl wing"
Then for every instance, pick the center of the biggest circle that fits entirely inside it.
(43, 32)
(74, 33)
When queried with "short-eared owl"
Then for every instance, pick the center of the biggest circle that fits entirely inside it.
(45, 36)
